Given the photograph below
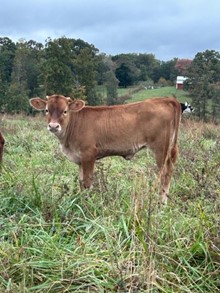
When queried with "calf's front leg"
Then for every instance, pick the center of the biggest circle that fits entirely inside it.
(86, 173)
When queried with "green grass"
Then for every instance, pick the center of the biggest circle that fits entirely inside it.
(115, 237)
(161, 92)
(138, 93)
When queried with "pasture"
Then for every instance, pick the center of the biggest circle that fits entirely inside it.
(143, 94)
(139, 93)
(114, 237)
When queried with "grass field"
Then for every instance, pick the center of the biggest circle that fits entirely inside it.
(115, 237)
(137, 93)
(181, 95)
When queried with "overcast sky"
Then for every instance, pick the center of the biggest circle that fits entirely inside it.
(165, 28)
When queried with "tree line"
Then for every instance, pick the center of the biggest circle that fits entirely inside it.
(75, 68)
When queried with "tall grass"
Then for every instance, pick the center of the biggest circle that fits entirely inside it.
(115, 237)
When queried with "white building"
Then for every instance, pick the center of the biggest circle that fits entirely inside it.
(179, 82)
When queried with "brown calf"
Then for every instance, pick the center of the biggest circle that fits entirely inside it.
(88, 133)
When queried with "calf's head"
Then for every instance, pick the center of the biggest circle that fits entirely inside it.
(57, 109)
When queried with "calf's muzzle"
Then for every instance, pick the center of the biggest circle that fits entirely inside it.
(54, 127)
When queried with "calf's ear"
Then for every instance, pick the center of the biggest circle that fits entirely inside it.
(77, 105)
(38, 103)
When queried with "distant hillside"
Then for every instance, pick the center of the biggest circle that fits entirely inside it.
(143, 94)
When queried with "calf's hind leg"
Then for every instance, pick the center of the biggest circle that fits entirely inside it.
(165, 164)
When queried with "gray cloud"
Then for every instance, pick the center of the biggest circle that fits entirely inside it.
(166, 29)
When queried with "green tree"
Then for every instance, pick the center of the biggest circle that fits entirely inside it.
(18, 91)
(70, 64)
(111, 87)
(105, 64)
(24, 76)
(204, 74)
(33, 66)
(86, 66)
(168, 70)
(145, 64)
(130, 68)
(125, 76)
(215, 111)
(18, 99)
(7, 54)
(58, 67)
